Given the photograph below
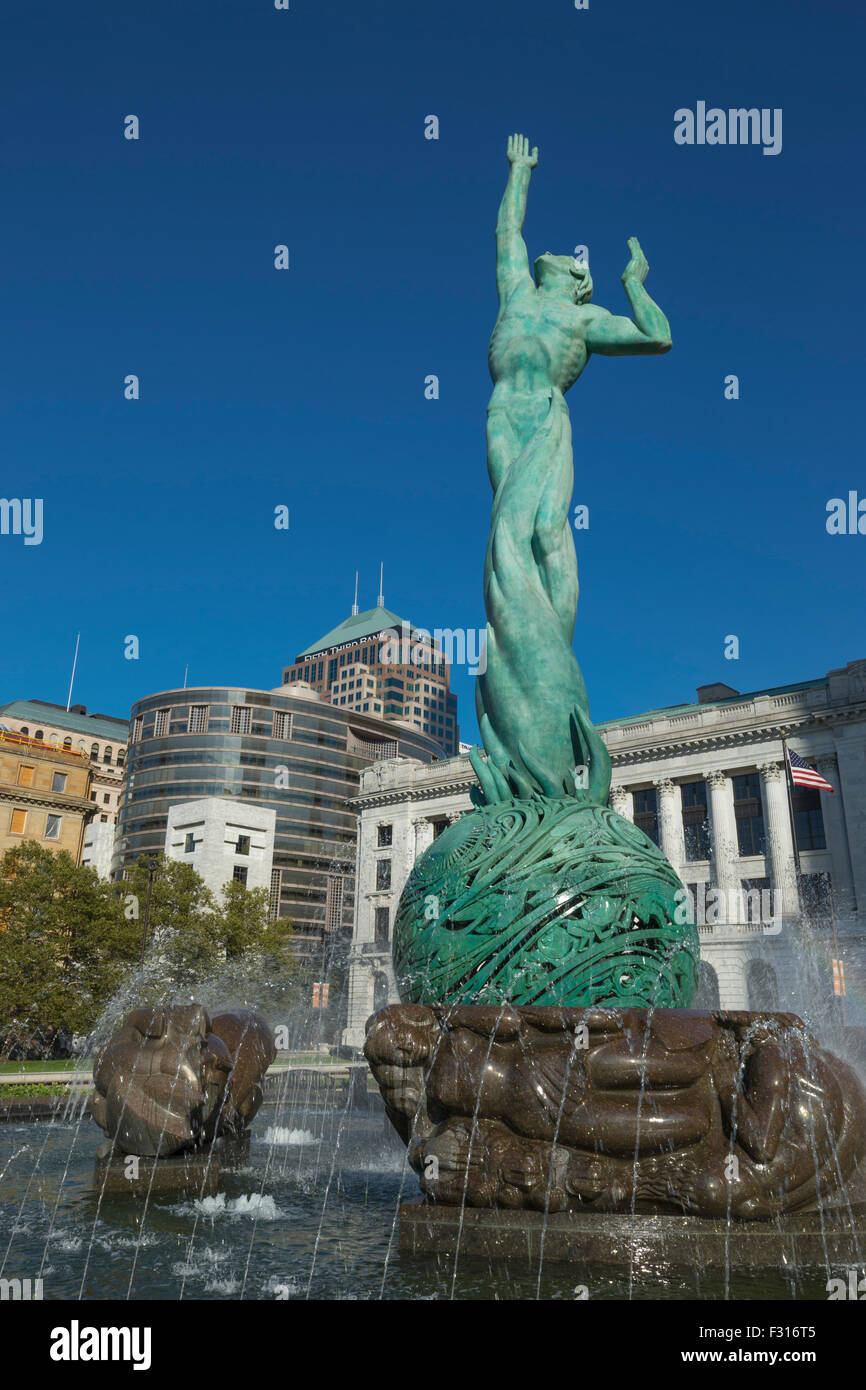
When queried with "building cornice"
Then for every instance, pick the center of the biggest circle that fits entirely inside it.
(722, 739)
(400, 795)
(55, 801)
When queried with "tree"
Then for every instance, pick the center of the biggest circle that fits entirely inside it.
(243, 920)
(176, 923)
(65, 945)
(261, 966)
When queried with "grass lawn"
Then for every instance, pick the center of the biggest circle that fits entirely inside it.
(35, 1089)
(22, 1068)
(85, 1064)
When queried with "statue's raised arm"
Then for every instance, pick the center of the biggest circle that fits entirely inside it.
(512, 258)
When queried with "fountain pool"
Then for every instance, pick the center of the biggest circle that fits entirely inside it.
(312, 1214)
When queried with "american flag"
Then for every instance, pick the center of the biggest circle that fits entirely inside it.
(802, 775)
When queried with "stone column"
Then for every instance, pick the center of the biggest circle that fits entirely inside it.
(724, 848)
(780, 841)
(851, 755)
(836, 832)
(622, 802)
(423, 834)
(670, 814)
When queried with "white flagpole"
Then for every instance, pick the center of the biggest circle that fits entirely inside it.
(72, 677)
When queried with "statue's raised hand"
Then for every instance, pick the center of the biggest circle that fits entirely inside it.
(637, 268)
(518, 151)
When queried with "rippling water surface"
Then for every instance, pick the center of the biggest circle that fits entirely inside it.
(311, 1215)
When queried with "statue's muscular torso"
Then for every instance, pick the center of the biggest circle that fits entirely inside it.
(537, 344)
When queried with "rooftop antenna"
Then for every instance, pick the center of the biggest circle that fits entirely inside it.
(380, 601)
(72, 677)
(355, 604)
(185, 674)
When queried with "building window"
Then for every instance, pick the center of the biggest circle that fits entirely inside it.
(383, 873)
(67, 743)
(121, 753)
(160, 723)
(808, 818)
(106, 757)
(646, 812)
(24, 731)
(104, 818)
(762, 988)
(241, 719)
(751, 903)
(280, 721)
(189, 843)
(816, 899)
(749, 813)
(137, 725)
(707, 996)
(385, 836)
(197, 719)
(25, 776)
(243, 845)
(696, 832)
(52, 828)
(382, 925)
(58, 782)
(39, 734)
(106, 797)
(276, 890)
(239, 874)
(18, 822)
(334, 902)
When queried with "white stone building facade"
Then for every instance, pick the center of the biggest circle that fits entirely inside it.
(223, 838)
(98, 847)
(708, 782)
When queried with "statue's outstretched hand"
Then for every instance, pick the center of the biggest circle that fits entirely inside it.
(637, 267)
(518, 151)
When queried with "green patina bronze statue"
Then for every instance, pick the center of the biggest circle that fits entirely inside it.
(542, 895)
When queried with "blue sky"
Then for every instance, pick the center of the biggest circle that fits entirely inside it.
(306, 387)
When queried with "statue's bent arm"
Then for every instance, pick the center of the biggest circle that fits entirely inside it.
(614, 335)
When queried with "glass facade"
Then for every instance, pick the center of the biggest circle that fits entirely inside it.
(300, 757)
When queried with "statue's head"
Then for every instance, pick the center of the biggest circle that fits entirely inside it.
(564, 275)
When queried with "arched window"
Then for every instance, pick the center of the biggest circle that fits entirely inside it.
(82, 746)
(120, 755)
(26, 732)
(67, 743)
(94, 751)
(106, 757)
(707, 996)
(380, 991)
(762, 988)
(39, 734)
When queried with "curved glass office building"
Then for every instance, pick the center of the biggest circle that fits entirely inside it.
(291, 753)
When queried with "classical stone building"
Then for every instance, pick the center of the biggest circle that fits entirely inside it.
(707, 782)
(102, 737)
(44, 794)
